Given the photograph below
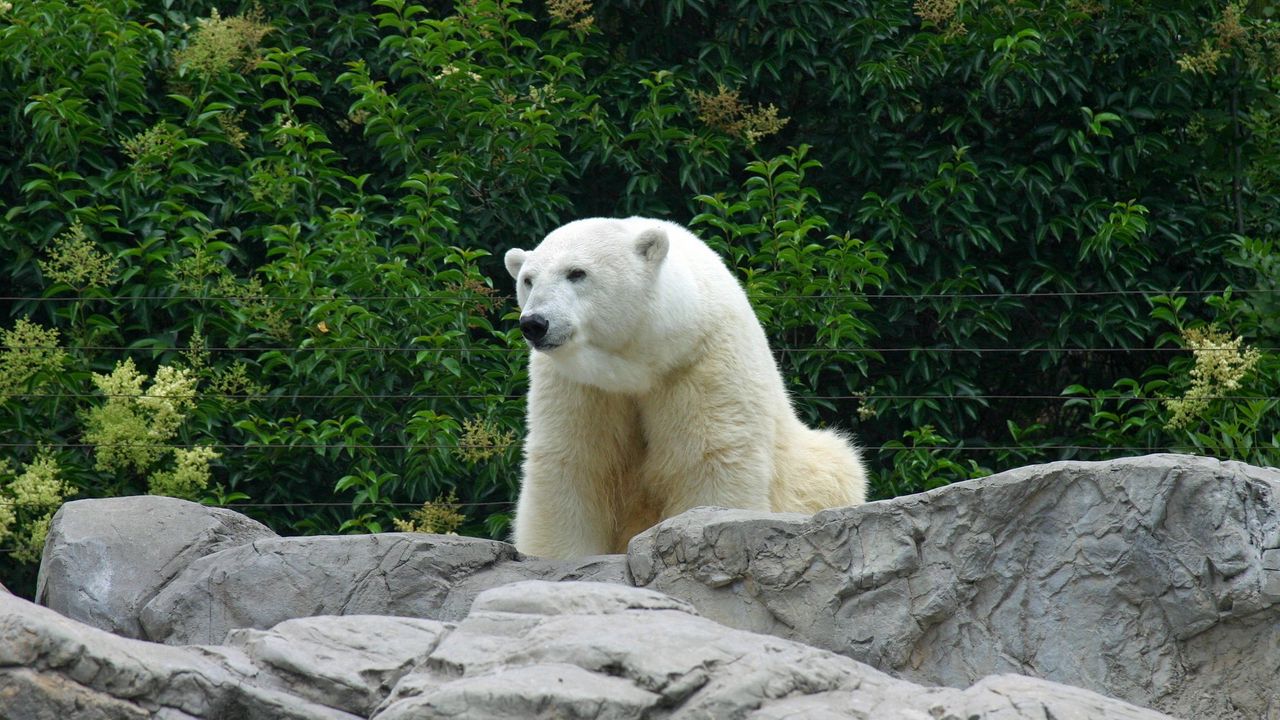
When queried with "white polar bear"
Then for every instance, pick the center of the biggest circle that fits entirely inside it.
(652, 391)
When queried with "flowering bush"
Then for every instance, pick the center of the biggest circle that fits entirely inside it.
(27, 503)
(251, 252)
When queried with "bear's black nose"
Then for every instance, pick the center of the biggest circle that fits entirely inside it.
(534, 327)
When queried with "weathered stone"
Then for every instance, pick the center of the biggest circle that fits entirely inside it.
(1155, 580)
(552, 690)
(1271, 573)
(1144, 579)
(27, 694)
(579, 650)
(526, 650)
(55, 667)
(105, 559)
(411, 575)
(999, 697)
(350, 662)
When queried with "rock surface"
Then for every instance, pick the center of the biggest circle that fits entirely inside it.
(349, 662)
(105, 559)
(600, 651)
(55, 667)
(1155, 580)
(269, 581)
(526, 650)
(1152, 579)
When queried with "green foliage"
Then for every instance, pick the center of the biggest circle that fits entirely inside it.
(810, 286)
(30, 359)
(288, 217)
(27, 503)
(923, 460)
(440, 517)
(1221, 400)
(133, 429)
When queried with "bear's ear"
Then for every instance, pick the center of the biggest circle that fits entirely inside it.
(653, 245)
(514, 260)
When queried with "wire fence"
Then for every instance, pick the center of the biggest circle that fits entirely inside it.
(504, 446)
(1109, 396)
(238, 506)
(469, 296)
(352, 505)
(284, 395)
(317, 346)
(270, 505)
(465, 295)
(517, 349)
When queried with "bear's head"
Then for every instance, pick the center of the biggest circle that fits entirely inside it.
(588, 284)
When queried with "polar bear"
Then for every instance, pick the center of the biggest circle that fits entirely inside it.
(652, 391)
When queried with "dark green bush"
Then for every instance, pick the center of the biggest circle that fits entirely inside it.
(250, 253)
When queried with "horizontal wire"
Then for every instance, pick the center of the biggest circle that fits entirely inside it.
(486, 349)
(457, 296)
(248, 505)
(473, 296)
(230, 396)
(498, 396)
(503, 446)
(258, 446)
(236, 504)
(349, 504)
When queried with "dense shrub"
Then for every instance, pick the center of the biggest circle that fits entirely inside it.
(250, 252)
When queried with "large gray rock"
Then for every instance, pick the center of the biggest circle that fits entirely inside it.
(586, 650)
(527, 650)
(52, 667)
(105, 559)
(1153, 579)
(406, 574)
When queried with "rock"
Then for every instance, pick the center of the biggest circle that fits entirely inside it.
(55, 667)
(526, 650)
(1155, 580)
(1150, 579)
(105, 559)
(998, 697)
(585, 650)
(553, 690)
(350, 662)
(411, 575)
(27, 694)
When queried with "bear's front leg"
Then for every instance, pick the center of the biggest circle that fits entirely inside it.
(554, 521)
(582, 444)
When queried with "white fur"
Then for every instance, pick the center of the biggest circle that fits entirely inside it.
(656, 392)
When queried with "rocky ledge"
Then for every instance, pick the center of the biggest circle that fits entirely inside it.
(1069, 590)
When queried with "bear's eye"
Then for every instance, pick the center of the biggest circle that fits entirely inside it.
(576, 274)
(528, 282)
